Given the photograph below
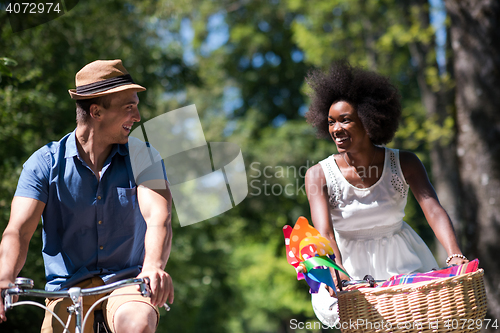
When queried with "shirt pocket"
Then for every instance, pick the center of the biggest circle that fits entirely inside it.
(125, 208)
(126, 197)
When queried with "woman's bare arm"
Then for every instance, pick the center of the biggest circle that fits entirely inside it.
(416, 176)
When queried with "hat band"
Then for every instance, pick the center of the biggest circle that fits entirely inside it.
(100, 86)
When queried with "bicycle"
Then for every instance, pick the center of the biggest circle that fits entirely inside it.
(24, 287)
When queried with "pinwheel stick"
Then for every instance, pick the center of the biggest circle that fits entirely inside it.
(301, 268)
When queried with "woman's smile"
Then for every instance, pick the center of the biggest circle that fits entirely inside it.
(345, 126)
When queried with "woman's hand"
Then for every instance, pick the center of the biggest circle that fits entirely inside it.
(334, 275)
(457, 261)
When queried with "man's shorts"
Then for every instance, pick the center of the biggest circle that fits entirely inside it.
(108, 307)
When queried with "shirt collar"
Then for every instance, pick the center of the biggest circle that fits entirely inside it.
(72, 151)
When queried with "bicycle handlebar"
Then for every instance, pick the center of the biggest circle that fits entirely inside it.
(144, 283)
(23, 288)
(346, 283)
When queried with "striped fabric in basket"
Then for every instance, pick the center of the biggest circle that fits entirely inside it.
(451, 271)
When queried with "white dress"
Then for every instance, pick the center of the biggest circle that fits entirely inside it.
(369, 229)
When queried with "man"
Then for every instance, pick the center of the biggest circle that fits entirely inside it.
(87, 191)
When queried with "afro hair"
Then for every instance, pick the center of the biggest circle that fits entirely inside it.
(375, 99)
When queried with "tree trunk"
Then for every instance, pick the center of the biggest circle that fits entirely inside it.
(439, 106)
(475, 35)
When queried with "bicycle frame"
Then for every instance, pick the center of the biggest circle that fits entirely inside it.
(76, 294)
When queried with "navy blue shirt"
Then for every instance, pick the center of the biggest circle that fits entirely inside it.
(91, 227)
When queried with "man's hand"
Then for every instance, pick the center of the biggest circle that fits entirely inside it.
(4, 285)
(160, 282)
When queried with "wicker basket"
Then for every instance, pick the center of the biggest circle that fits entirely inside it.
(454, 304)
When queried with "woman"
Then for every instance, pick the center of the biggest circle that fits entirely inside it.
(357, 197)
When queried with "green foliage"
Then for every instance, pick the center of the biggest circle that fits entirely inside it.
(5, 63)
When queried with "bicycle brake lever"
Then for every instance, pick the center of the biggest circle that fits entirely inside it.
(145, 289)
(6, 300)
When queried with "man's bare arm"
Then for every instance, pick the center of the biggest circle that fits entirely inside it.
(156, 208)
(24, 217)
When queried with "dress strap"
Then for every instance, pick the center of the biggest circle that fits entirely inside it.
(397, 178)
(331, 180)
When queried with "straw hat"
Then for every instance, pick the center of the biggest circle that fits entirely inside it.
(102, 77)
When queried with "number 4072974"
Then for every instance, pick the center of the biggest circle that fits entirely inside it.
(471, 324)
(32, 8)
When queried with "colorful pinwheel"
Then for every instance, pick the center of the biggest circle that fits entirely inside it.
(310, 254)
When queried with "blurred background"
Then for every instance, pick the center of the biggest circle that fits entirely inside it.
(243, 64)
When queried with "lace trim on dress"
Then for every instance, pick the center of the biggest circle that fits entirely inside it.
(396, 181)
(333, 186)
